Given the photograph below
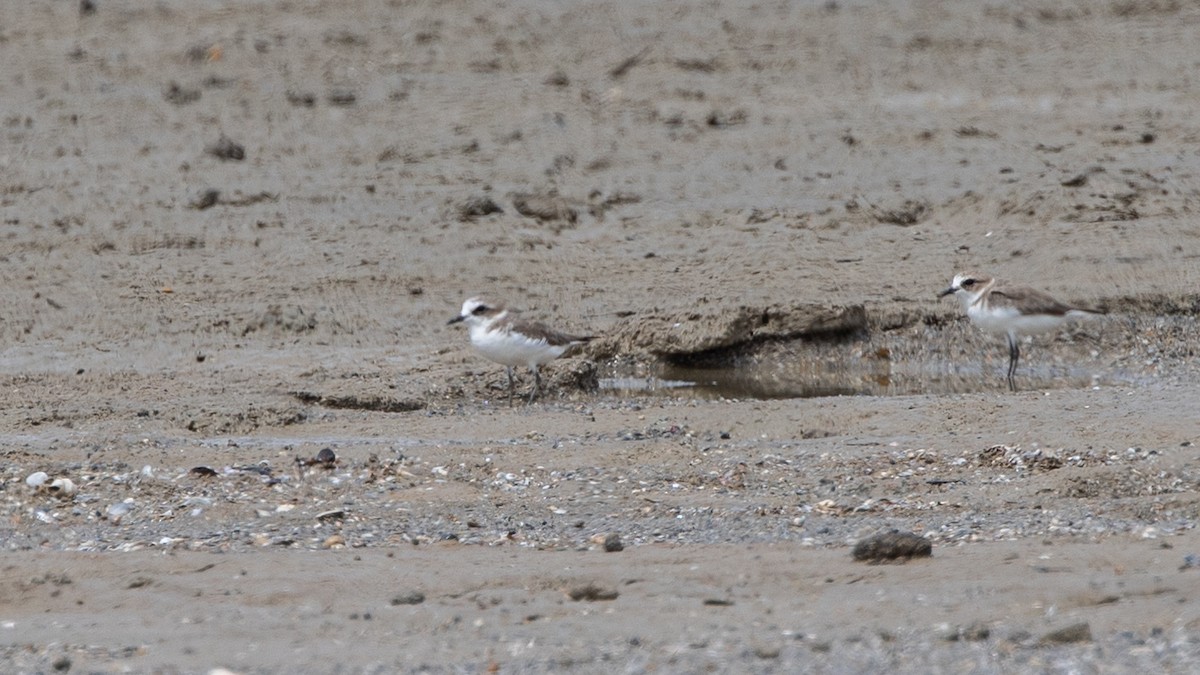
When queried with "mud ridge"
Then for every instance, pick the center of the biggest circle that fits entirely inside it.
(699, 336)
(354, 402)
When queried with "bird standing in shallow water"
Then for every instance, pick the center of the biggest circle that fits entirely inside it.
(999, 307)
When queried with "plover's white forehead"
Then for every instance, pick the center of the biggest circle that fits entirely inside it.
(470, 304)
(478, 306)
(965, 279)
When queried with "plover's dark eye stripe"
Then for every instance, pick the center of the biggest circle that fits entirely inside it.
(480, 309)
(968, 282)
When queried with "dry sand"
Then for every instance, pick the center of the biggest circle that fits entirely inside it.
(233, 233)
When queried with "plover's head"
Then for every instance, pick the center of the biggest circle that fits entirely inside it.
(967, 286)
(477, 311)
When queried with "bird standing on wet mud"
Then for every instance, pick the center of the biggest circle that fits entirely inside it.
(498, 335)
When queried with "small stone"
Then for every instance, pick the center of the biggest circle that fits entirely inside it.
(409, 598)
(334, 540)
(37, 479)
(115, 512)
(342, 97)
(206, 199)
(612, 543)
(894, 545)
(475, 207)
(179, 95)
(974, 632)
(591, 593)
(767, 651)
(227, 149)
(545, 208)
(302, 98)
(1076, 632)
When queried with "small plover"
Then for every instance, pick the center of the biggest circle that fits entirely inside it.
(998, 307)
(511, 342)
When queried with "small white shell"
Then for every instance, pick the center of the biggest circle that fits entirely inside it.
(63, 487)
(37, 479)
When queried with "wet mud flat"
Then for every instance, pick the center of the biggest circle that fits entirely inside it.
(237, 433)
(544, 611)
(485, 535)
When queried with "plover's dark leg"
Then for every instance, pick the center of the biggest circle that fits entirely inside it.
(511, 385)
(537, 383)
(1014, 356)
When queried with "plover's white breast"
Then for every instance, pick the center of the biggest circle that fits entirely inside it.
(1035, 324)
(1007, 319)
(512, 348)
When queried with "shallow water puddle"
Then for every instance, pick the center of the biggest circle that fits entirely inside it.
(780, 381)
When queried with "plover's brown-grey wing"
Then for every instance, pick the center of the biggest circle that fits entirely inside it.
(1028, 301)
(540, 331)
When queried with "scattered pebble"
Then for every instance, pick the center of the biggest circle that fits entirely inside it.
(207, 198)
(974, 632)
(342, 97)
(227, 149)
(327, 457)
(475, 207)
(545, 208)
(893, 545)
(767, 651)
(115, 512)
(179, 95)
(302, 99)
(409, 598)
(1076, 632)
(591, 593)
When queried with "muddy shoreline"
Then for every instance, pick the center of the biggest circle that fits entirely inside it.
(233, 234)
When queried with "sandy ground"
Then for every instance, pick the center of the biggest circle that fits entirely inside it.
(233, 233)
